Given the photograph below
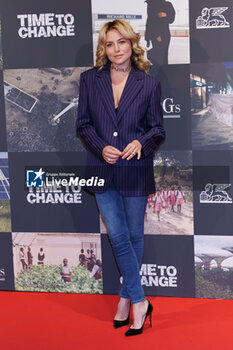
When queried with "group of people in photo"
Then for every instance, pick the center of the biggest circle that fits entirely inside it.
(165, 198)
(90, 262)
(26, 259)
(87, 260)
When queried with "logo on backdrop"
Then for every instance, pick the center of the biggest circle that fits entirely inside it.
(57, 187)
(2, 274)
(212, 18)
(170, 108)
(215, 194)
(45, 25)
(35, 178)
(153, 275)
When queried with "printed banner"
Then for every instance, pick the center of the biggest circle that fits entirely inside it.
(213, 266)
(57, 262)
(59, 237)
(212, 106)
(41, 109)
(211, 29)
(167, 268)
(213, 194)
(163, 26)
(46, 33)
(47, 202)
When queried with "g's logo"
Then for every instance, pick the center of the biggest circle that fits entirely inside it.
(171, 109)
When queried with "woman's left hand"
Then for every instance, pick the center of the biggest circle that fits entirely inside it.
(132, 149)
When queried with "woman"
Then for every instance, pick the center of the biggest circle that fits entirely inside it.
(120, 122)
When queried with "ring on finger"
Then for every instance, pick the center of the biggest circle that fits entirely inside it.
(133, 153)
(109, 159)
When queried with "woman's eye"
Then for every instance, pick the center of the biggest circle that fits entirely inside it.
(122, 41)
(108, 45)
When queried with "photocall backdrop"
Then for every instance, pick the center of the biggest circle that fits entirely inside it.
(44, 219)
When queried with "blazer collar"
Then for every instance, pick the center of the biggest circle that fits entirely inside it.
(132, 87)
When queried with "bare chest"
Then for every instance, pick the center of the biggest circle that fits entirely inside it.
(118, 85)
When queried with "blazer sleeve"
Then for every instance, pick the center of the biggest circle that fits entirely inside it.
(84, 126)
(155, 134)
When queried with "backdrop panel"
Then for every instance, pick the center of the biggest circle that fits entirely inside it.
(43, 268)
(163, 26)
(167, 268)
(53, 207)
(46, 33)
(45, 47)
(41, 109)
(212, 105)
(172, 172)
(214, 266)
(211, 30)
(176, 105)
(213, 205)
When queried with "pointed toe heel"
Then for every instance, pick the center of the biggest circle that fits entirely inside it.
(118, 324)
(136, 331)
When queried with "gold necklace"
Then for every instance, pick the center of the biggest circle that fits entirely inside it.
(119, 69)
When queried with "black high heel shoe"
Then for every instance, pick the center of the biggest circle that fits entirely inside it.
(135, 331)
(118, 324)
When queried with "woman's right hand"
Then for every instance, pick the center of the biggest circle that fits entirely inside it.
(111, 154)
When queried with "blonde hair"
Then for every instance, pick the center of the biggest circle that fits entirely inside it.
(127, 32)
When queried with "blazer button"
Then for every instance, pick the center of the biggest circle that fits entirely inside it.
(115, 133)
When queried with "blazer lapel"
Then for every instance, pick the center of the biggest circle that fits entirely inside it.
(132, 87)
(104, 86)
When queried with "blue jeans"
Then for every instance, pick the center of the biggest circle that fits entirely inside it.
(124, 219)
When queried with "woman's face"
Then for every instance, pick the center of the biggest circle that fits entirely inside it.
(117, 48)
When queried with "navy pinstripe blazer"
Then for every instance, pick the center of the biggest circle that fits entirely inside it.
(139, 116)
